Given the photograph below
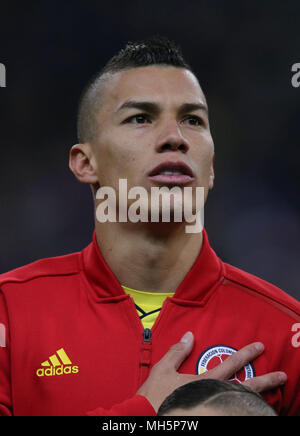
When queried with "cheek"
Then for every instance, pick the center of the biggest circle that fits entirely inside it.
(115, 160)
(205, 165)
(202, 151)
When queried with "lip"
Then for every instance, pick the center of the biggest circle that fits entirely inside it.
(186, 175)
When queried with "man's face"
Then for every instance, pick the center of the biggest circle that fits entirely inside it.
(150, 116)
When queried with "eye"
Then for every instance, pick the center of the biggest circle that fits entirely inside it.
(194, 120)
(138, 119)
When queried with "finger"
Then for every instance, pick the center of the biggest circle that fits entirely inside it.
(178, 352)
(237, 361)
(267, 381)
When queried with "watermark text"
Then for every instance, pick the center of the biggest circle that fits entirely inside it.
(296, 337)
(2, 336)
(296, 76)
(162, 204)
(2, 76)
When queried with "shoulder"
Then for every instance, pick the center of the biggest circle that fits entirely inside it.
(49, 267)
(262, 290)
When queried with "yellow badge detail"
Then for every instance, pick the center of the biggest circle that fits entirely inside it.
(57, 364)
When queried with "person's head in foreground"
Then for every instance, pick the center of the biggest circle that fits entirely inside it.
(215, 398)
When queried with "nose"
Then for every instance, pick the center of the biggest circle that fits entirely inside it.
(171, 138)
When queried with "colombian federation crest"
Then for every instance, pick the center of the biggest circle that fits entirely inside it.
(213, 356)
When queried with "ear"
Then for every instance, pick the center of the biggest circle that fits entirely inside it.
(212, 174)
(82, 163)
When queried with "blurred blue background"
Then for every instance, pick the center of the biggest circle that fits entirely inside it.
(242, 52)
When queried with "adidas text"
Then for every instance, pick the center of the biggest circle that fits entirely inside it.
(59, 370)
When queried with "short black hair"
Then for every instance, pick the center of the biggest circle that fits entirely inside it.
(225, 396)
(157, 50)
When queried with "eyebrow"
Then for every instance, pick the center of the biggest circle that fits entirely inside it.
(155, 108)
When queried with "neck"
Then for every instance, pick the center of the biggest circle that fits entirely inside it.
(148, 257)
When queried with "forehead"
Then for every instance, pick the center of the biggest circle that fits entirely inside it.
(164, 85)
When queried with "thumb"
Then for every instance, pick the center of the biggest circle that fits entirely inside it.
(179, 352)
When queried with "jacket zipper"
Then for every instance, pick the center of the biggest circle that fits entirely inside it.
(145, 356)
(147, 336)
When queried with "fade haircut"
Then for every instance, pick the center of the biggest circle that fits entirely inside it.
(157, 50)
(231, 398)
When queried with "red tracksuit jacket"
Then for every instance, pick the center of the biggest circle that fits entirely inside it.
(75, 345)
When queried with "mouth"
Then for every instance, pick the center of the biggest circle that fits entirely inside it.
(171, 173)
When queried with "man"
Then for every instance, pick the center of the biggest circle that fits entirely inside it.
(79, 338)
(214, 398)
